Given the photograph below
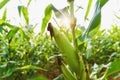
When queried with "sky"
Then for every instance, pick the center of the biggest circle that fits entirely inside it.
(36, 11)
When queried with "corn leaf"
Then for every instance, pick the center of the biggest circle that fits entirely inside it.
(0, 29)
(12, 33)
(4, 15)
(23, 10)
(23, 35)
(3, 2)
(59, 77)
(94, 24)
(1, 23)
(88, 9)
(31, 67)
(117, 16)
(40, 78)
(103, 2)
(70, 0)
(9, 72)
(12, 70)
(60, 13)
(47, 16)
(113, 68)
(7, 24)
(67, 73)
(29, 1)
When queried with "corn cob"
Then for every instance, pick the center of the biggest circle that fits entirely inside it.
(68, 51)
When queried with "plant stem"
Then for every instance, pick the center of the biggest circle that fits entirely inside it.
(72, 9)
(73, 24)
(81, 76)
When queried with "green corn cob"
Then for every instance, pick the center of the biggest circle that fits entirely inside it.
(68, 51)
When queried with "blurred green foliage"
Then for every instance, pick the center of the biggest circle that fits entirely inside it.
(27, 55)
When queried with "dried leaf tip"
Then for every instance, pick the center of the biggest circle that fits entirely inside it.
(50, 28)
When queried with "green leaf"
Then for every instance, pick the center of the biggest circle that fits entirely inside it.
(24, 11)
(113, 68)
(19, 10)
(29, 1)
(47, 16)
(9, 72)
(23, 35)
(31, 67)
(103, 2)
(94, 24)
(7, 24)
(70, 0)
(0, 29)
(59, 77)
(40, 78)
(118, 17)
(67, 73)
(12, 33)
(1, 24)
(57, 12)
(60, 13)
(4, 15)
(1, 21)
(3, 2)
(88, 9)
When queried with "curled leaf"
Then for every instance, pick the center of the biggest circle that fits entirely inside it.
(49, 28)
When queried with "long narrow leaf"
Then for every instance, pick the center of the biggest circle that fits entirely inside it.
(1, 22)
(8, 25)
(31, 67)
(23, 35)
(9, 72)
(59, 77)
(3, 2)
(70, 0)
(94, 24)
(25, 14)
(67, 73)
(114, 68)
(47, 16)
(1, 29)
(4, 15)
(40, 78)
(27, 67)
(88, 9)
(103, 2)
(57, 13)
(11, 33)
(29, 1)
(23, 10)
(19, 10)
(60, 13)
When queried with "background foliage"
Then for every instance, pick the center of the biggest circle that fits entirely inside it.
(27, 55)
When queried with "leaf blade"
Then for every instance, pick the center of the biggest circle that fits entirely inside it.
(4, 15)
(3, 3)
(47, 16)
(88, 9)
(114, 67)
(67, 73)
(95, 22)
(23, 10)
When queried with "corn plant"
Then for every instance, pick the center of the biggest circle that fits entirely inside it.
(74, 67)
(24, 55)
